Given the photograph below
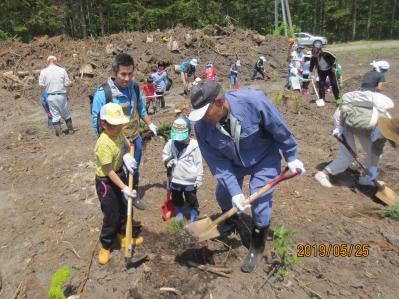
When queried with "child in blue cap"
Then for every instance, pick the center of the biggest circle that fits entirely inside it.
(182, 157)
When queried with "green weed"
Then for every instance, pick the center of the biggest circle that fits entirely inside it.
(390, 212)
(164, 130)
(281, 239)
(174, 226)
(60, 277)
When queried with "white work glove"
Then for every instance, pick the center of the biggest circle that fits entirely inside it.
(237, 201)
(153, 128)
(296, 164)
(338, 131)
(130, 163)
(171, 163)
(373, 172)
(197, 184)
(127, 193)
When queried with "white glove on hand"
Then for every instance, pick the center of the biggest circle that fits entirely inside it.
(296, 164)
(237, 201)
(373, 172)
(197, 184)
(153, 128)
(126, 193)
(338, 131)
(130, 163)
(171, 163)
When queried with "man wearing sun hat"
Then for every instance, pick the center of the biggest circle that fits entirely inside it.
(187, 69)
(182, 158)
(241, 133)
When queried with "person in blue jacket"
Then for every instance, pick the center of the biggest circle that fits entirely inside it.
(160, 77)
(125, 92)
(241, 133)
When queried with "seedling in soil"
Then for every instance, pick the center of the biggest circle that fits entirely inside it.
(60, 277)
(164, 130)
(390, 212)
(278, 98)
(281, 239)
(174, 226)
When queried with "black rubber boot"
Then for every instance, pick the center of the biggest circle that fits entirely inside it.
(255, 254)
(69, 126)
(229, 226)
(57, 128)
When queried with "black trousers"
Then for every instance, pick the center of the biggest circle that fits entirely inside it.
(305, 84)
(114, 208)
(189, 196)
(322, 82)
(161, 97)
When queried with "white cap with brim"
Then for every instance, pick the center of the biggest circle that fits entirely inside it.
(197, 114)
(113, 114)
(51, 58)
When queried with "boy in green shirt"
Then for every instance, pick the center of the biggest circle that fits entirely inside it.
(112, 152)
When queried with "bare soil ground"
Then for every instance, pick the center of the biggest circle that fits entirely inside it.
(51, 215)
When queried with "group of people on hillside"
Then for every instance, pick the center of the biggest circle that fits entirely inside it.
(239, 133)
(301, 67)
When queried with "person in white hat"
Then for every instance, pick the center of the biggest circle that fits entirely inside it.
(112, 153)
(373, 79)
(259, 68)
(187, 70)
(53, 80)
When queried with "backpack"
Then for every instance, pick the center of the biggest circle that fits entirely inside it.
(108, 99)
(363, 108)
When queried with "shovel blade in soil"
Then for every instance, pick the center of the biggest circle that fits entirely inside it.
(387, 195)
(203, 229)
(136, 260)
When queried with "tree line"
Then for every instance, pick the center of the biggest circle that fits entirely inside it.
(339, 20)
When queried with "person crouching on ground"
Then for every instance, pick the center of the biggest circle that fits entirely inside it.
(112, 152)
(347, 119)
(182, 157)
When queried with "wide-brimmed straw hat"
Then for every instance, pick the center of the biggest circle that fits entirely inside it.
(389, 127)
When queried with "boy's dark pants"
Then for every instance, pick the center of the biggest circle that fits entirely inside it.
(322, 82)
(114, 208)
(189, 196)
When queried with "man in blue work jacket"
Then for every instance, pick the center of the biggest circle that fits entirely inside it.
(123, 90)
(241, 133)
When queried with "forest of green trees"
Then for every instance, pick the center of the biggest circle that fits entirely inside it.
(339, 20)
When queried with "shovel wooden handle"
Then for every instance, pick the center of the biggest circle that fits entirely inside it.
(282, 177)
(128, 235)
(353, 154)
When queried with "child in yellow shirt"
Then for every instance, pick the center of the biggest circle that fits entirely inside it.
(112, 152)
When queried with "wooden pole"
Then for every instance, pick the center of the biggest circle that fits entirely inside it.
(284, 17)
(288, 14)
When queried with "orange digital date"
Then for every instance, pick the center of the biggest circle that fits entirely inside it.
(332, 250)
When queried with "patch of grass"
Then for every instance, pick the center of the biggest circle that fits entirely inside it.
(370, 52)
(164, 130)
(298, 103)
(281, 239)
(390, 212)
(277, 97)
(60, 277)
(174, 226)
